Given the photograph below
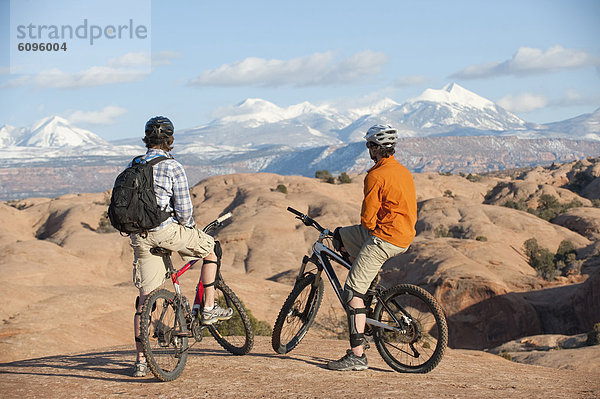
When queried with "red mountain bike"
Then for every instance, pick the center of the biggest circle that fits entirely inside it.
(168, 323)
(406, 322)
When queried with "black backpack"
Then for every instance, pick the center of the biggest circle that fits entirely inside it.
(133, 208)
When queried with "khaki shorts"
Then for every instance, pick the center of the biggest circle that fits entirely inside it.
(370, 252)
(149, 270)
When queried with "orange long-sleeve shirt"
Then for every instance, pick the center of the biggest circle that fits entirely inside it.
(389, 208)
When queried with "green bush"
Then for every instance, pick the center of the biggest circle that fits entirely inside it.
(448, 193)
(323, 174)
(518, 205)
(473, 178)
(234, 326)
(549, 207)
(281, 188)
(104, 225)
(505, 355)
(541, 259)
(343, 178)
(441, 231)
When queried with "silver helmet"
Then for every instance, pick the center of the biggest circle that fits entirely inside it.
(382, 135)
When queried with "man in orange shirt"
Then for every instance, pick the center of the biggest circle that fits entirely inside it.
(388, 217)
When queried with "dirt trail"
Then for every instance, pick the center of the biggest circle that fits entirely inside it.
(210, 371)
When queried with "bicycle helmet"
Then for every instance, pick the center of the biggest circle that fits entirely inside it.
(158, 129)
(382, 135)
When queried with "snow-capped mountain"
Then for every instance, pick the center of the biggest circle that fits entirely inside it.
(255, 122)
(55, 131)
(259, 136)
(586, 126)
(455, 106)
(10, 135)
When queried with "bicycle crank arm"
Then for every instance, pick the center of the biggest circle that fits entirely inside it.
(383, 325)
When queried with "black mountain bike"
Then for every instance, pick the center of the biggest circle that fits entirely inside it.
(168, 324)
(406, 323)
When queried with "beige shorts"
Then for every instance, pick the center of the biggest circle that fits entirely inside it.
(149, 270)
(370, 252)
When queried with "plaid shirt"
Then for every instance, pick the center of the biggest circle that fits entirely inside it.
(170, 181)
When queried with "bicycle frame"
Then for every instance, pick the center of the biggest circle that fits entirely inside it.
(174, 274)
(321, 258)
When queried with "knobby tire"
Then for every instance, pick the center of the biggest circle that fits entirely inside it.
(164, 335)
(297, 314)
(235, 335)
(427, 333)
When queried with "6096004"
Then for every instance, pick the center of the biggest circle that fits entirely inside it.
(42, 46)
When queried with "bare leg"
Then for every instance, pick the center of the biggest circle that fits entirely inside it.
(208, 275)
(360, 319)
(136, 326)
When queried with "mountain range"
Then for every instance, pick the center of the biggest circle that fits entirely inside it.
(448, 129)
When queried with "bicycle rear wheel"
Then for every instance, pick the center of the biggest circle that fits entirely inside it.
(297, 314)
(421, 335)
(164, 335)
(235, 335)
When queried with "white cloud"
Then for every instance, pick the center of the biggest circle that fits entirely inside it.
(319, 69)
(129, 60)
(129, 67)
(524, 102)
(16, 82)
(142, 59)
(106, 116)
(406, 81)
(528, 61)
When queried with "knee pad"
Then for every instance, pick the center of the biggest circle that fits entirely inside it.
(356, 338)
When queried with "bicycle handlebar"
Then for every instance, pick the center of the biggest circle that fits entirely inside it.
(223, 218)
(307, 220)
(216, 223)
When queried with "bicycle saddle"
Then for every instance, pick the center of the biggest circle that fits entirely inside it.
(159, 251)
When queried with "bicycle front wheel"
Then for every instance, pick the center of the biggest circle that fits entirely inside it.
(235, 335)
(297, 314)
(418, 336)
(164, 335)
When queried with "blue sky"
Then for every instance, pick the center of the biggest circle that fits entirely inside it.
(539, 59)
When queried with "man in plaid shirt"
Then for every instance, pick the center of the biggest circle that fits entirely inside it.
(177, 233)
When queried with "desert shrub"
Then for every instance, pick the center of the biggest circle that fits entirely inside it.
(281, 188)
(473, 178)
(343, 178)
(453, 232)
(323, 174)
(593, 337)
(445, 173)
(531, 246)
(481, 238)
(566, 251)
(505, 355)
(541, 259)
(544, 263)
(234, 325)
(441, 231)
(518, 205)
(549, 207)
(104, 225)
(596, 203)
(448, 193)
